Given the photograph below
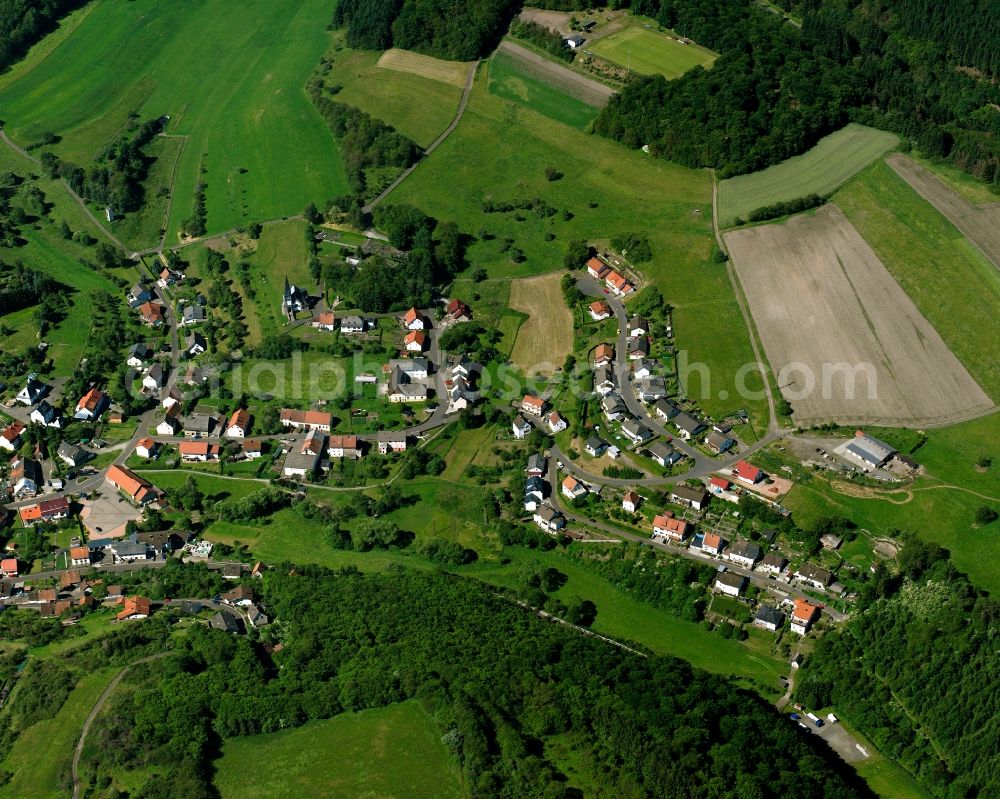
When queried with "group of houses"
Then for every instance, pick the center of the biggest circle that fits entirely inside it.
(537, 496)
(612, 279)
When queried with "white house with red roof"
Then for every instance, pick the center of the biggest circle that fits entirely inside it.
(533, 405)
(599, 311)
(573, 488)
(412, 320)
(556, 422)
(667, 528)
(747, 473)
(597, 269)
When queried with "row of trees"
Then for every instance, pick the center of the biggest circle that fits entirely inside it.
(776, 89)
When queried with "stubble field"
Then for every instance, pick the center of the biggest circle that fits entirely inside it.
(546, 338)
(821, 297)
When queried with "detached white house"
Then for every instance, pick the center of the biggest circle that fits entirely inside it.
(521, 427)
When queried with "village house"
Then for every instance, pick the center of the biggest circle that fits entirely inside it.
(32, 392)
(604, 380)
(549, 519)
(91, 405)
(412, 320)
(599, 311)
(718, 485)
(769, 618)
(597, 269)
(556, 423)
(306, 420)
(773, 563)
(613, 407)
(457, 311)
(171, 398)
(198, 425)
(804, 614)
(687, 426)
(636, 431)
(668, 528)
(192, 315)
(665, 410)
(251, 448)
(79, 556)
(50, 510)
(194, 376)
(146, 448)
(618, 285)
(45, 415)
(153, 379)
(636, 327)
(594, 447)
(730, 583)
(326, 320)
(129, 483)
(404, 388)
(170, 424)
(72, 455)
(572, 488)
(129, 550)
(134, 607)
(664, 454)
(201, 451)
(713, 543)
(10, 438)
(152, 314)
(642, 369)
(413, 368)
(195, 344)
(536, 465)
(631, 501)
(603, 355)
(414, 341)
(391, 443)
(138, 295)
(314, 443)
(239, 596)
(301, 464)
(239, 424)
(743, 553)
(534, 492)
(169, 277)
(25, 477)
(343, 447)
(686, 495)
(9, 567)
(651, 389)
(520, 427)
(138, 355)
(352, 325)
(748, 474)
(718, 443)
(638, 348)
(813, 575)
(532, 405)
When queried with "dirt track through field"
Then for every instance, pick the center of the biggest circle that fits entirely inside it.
(980, 224)
(583, 88)
(824, 304)
(546, 338)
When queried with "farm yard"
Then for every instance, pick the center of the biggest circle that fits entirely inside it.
(144, 57)
(546, 88)
(821, 170)
(950, 281)
(546, 338)
(979, 223)
(392, 751)
(649, 52)
(821, 297)
(416, 94)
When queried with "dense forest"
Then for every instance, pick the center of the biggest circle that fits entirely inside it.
(24, 22)
(460, 31)
(925, 69)
(916, 672)
(500, 682)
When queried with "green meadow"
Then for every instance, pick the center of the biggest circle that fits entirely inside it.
(649, 52)
(604, 190)
(395, 751)
(508, 80)
(821, 170)
(265, 151)
(949, 281)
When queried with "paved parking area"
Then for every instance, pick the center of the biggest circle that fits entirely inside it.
(107, 515)
(839, 740)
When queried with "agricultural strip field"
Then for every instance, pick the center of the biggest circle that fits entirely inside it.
(950, 281)
(500, 152)
(416, 102)
(546, 338)
(395, 751)
(822, 169)
(650, 52)
(979, 223)
(150, 58)
(517, 80)
(822, 300)
(556, 75)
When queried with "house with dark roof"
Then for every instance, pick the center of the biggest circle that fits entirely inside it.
(696, 498)
(743, 553)
(769, 618)
(730, 583)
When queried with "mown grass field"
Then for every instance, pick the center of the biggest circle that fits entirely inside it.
(40, 757)
(822, 169)
(281, 252)
(955, 288)
(415, 103)
(605, 190)
(153, 59)
(510, 80)
(395, 751)
(650, 52)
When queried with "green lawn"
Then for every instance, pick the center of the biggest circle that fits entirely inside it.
(144, 228)
(649, 52)
(40, 757)
(416, 106)
(395, 751)
(156, 58)
(950, 282)
(509, 80)
(821, 170)
(606, 190)
(281, 252)
(467, 444)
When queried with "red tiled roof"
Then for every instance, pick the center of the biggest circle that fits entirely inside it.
(13, 430)
(79, 552)
(720, 482)
(533, 402)
(415, 336)
(90, 400)
(134, 605)
(713, 540)
(240, 419)
(746, 471)
(318, 418)
(129, 482)
(597, 265)
(411, 316)
(804, 611)
(197, 448)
